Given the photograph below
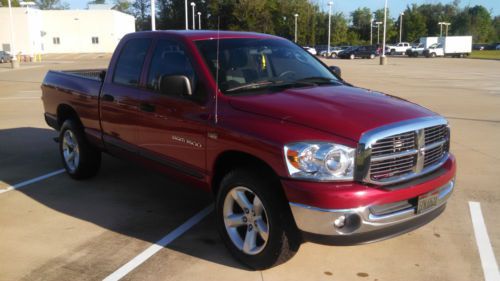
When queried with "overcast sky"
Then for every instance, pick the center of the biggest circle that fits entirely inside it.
(347, 6)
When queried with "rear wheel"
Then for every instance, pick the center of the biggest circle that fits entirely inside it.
(79, 158)
(372, 56)
(393, 52)
(352, 56)
(255, 221)
(433, 55)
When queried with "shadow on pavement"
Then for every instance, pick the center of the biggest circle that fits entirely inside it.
(123, 197)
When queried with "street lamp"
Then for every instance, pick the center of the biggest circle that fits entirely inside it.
(383, 59)
(14, 62)
(153, 15)
(330, 4)
(194, 24)
(371, 30)
(400, 26)
(199, 20)
(186, 13)
(378, 23)
(441, 23)
(296, 16)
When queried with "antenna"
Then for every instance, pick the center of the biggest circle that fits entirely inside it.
(217, 73)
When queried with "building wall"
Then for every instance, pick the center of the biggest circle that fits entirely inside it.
(65, 31)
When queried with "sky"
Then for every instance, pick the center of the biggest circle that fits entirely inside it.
(347, 6)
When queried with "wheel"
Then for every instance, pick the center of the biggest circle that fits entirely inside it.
(333, 55)
(372, 56)
(1, 60)
(393, 52)
(79, 158)
(352, 56)
(255, 221)
(433, 55)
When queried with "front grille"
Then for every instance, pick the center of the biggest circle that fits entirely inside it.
(410, 153)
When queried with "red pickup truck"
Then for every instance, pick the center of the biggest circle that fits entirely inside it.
(290, 150)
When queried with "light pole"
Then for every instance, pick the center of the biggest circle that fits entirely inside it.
(378, 23)
(383, 59)
(441, 23)
(14, 62)
(186, 13)
(194, 24)
(400, 26)
(330, 4)
(153, 15)
(371, 30)
(199, 20)
(296, 16)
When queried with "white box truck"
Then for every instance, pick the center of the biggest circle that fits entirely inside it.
(455, 46)
(418, 50)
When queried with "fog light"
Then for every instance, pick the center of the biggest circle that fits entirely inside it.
(339, 222)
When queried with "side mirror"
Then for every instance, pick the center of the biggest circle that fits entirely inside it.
(175, 85)
(336, 70)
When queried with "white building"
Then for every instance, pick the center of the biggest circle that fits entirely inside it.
(64, 31)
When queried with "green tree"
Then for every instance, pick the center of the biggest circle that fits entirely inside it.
(361, 20)
(392, 30)
(51, 5)
(97, 2)
(475, 21)
(123, 6)
(140, 10)
(414, 24)
(5, 3)
(496, 25)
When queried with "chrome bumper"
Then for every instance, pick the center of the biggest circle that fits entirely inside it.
(360, 220)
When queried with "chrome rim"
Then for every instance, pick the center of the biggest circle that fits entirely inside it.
(71, 152)
(246, 220)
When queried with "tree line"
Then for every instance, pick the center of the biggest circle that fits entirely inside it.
(277, 17)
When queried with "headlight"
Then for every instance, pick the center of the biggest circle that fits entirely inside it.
(320, 161)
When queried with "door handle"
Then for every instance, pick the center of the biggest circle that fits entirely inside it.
(146, 107)
(107, 97)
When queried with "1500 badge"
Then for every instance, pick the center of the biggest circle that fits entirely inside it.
(187, 141)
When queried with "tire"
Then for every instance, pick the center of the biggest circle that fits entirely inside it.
(1, 60)
(352, 56)
(372, 56)
(283, 238)
(433, 55)
(333, 55)
(80, 159)
(393, 52)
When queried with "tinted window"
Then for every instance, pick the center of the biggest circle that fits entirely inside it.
(256, 62)
(169, 58)
(129, 64)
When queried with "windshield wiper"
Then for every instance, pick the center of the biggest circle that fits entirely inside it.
(318, 80)
(270, 83)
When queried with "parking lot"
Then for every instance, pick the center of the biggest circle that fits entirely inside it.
(55, 228)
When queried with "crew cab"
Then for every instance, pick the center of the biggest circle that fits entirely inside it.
(290, 151)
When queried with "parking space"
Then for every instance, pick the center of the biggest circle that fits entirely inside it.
(61, 229)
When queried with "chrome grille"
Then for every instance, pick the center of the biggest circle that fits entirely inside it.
(402, 151)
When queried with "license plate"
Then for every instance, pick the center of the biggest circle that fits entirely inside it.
(427, 201)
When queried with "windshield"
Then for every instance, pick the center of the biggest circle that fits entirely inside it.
(249, 63)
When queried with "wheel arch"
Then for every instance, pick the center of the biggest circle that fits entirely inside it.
(230, 159)
(65, 112)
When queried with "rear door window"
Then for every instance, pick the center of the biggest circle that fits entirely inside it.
(129, 65)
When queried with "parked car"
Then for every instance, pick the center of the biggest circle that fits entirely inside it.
(289, 150)
(5, 57)
(359, 52)
(311, 50)
(398, 49)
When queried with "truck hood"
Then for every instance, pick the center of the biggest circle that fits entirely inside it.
(340, 110)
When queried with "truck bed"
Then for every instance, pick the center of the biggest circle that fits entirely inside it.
(76, 89)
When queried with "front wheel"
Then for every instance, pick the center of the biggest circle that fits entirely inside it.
(352, 56)
(255, 221)
(372, 56)
(80, 159)
(333, 55)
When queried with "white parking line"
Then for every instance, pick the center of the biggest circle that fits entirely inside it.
(149, 252)
(25, 183)
(488, 260)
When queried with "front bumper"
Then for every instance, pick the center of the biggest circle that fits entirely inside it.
(369, 213)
